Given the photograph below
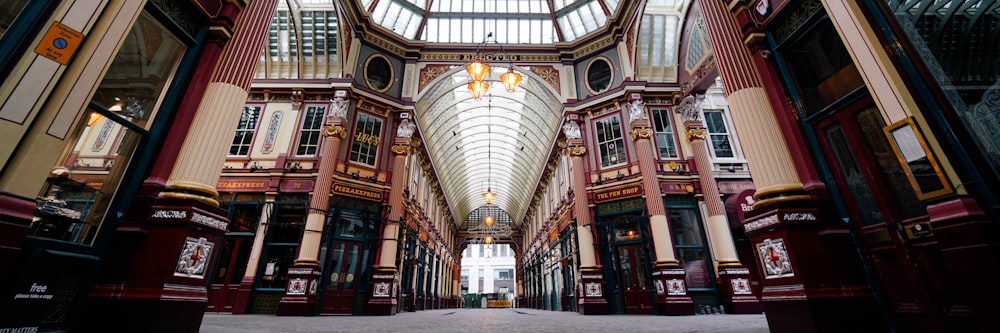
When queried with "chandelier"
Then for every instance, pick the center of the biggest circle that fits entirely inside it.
(479, 70)
(488, 231)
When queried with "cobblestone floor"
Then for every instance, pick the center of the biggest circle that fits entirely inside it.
(486, 321)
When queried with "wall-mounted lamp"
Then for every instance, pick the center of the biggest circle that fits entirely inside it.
(731, 169)
(294, 167)
(620, 176)
(372, 178)
(355, 175)
(676, 168)
(254, 167)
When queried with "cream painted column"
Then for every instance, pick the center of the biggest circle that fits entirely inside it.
(765, 147)
(668, 275)
(258, 240)
(641, 133)
(591, 278)
(584, 236)
(333, 133)
(305, 273)
(196, 172)
(382, 302)
(733, 276)
(720, 236)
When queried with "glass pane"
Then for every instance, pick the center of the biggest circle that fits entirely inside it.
(871, 124)
(276, 263)
(336, 266)
(75, 200)
(352, 266)
(852, 176)
(8, 12)
(822, 67)
(224, 260)
(695, 265)
(240, 263)
(685, 227)
(134, 83)
(959, 47)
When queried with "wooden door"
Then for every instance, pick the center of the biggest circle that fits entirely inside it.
(342, 277)
(228, 273)
(880, 203)
(634, 276)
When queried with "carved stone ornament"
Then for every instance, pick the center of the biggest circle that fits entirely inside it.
(741, 286)
(675, 287)
(572, 130)
(593, 289)
(335, 130)
(338, 107)
(400, 149)
(576, 150)
(405, 129)
(636, 110)
(194, 258)
(690, 107)
(774, 258)
(297, 286)
(381, 289)
(641, 133)
(697, 133)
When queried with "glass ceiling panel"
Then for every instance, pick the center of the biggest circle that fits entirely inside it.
(511, 21)
(501, 140)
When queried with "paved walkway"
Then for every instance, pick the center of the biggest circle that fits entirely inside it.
(486, 321)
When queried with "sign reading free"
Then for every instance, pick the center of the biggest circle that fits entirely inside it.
(59, 43)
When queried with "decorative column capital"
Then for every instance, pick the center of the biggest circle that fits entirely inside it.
(641, 133)
(575, 151)
(336, 130)
(695, 134)
(402, 150)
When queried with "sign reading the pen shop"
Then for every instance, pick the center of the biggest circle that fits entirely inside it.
(357, 192)
(59, 43)
(618, 193)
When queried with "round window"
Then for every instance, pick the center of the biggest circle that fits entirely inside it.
(378, 72)
(599, 75)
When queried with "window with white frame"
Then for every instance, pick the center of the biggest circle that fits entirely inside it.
(718, 134)
(609, 139)
(309, 133)
(366, 139)
(245, 131)
(664, 131)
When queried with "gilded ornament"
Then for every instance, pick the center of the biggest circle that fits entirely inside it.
(577, 150)
(400, 149)
(641, 133)
(697, 133)
(335, 130)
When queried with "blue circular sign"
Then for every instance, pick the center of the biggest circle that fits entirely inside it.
(60, 43)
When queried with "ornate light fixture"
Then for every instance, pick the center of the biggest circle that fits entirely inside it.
(479, 70)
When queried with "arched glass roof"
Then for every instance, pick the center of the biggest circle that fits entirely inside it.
(513, 21)
(499, 142)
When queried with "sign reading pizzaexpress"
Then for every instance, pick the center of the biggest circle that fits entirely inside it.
(618, 193)
(357, 192)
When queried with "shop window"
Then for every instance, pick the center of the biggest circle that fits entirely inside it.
(503, 274)
(609, 139)
(281, 244)
(366, 139)
(245, 130)
(244, 211)
(718, 134)
(822, 67)
(664, 129)
(309, 133)
(79, 191)
(689, 246)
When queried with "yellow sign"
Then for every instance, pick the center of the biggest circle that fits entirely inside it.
(357, 192)
(59, 43)
(618, 193)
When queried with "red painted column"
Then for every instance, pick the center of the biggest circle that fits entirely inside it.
(672, 296)
(386, 275)
(304, 276)
(734, 278)
(592, 299)
(804, 252)
(164, 248)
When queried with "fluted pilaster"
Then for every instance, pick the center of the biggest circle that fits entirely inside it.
(196, 171)
(773, 169)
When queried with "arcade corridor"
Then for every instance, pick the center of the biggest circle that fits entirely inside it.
(606, 165)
